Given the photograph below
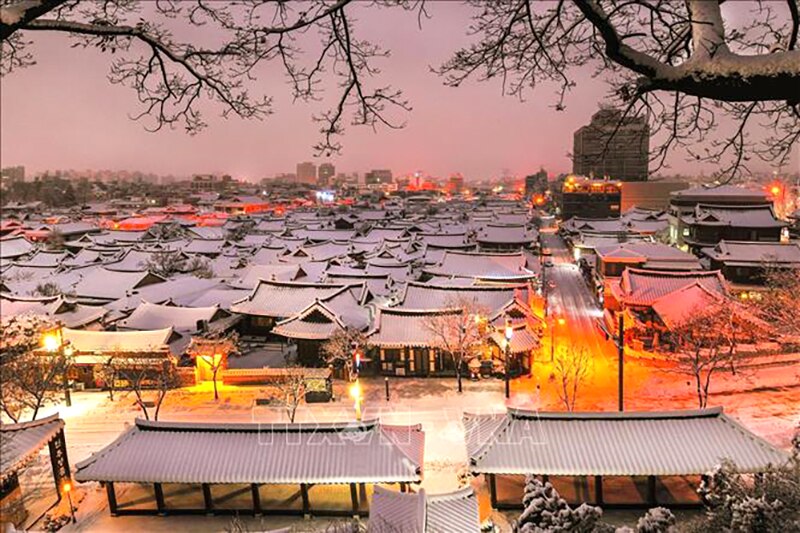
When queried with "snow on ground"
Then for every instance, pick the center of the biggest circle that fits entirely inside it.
(767, 402)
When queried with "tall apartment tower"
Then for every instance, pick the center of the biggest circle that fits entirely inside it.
(325, 174)
(307, 173)
(623, 157)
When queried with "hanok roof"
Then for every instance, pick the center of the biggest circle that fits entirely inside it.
(70, 314)
(321, 453)
(283, 299)
(432, 296)
(22, 442)
(117, 341)
(522, 341)
(482, 265)
(652, 255)
(322, 319)
(643, 287)
(506, 234)
(104, 284)
(736, 253)
(150, 316)
(423, 513)
(613, 444)
(14, 247)
(750, 216)
(396, 328)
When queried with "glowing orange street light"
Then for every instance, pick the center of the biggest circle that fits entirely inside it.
(561, 321)
(51, 342)
(66, 488)
(355, 394)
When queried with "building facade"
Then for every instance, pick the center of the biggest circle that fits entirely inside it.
(325, 174)
(378, 177)
(612, 145)
(306, 172)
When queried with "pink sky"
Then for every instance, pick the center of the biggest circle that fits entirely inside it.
(62, 113)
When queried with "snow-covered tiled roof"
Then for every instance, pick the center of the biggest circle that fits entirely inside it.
(14, 247)
(284, 299)
(319, 453)
(22, 442)
(396, 328)
(482, 265)
(755, 253)
(613, 444)
(750, 216)
(117, 341)
(435, 296)
(643, 287)
(506, 234)
(149, 316)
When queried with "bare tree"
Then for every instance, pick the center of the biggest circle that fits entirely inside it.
(142, 376)
(458, 330)
(705, 342)
(29, 377)
(780, 302)
(674, 62)
(199, 268)
(340, 349)
(572, 366)
(291, 387)
(213, 348)
(167, 263)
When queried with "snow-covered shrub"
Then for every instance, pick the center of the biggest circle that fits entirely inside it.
(656, 520)
(546, 510)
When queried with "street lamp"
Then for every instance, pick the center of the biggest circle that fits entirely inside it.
(509, 334)
(53, 342)
(66, 488)
(355, 394)
(560, 321)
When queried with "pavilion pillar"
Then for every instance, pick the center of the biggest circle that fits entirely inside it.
(112, 498)
(598, 490)
(403, 487)
(208, 501)
(545, 478)
(256, 499)
(306, 506)
(159, 491)
(651, 490)
(493, 491)
(354, 499)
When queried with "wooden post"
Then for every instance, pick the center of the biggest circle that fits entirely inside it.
(256, 499)
(493, 491)
(159, 498)
(651, 490)
(545, 478)
(207, 500)
(402, 487)
(598, 490)
(112, 498)
(306, 506)
(354, 499)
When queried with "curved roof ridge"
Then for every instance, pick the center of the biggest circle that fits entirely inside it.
(514, 412)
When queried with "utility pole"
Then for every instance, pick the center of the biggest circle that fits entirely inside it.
(621, 362)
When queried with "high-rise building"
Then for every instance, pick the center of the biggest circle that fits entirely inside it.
(612, 146)
(325, 174)
(306, 172)
(378, 177)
